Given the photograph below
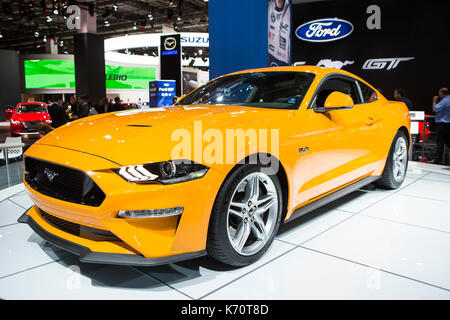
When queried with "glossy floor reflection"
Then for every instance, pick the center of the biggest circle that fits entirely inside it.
(372, 244)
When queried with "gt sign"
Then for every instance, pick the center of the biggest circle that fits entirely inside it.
(324, 30)
(383, 63)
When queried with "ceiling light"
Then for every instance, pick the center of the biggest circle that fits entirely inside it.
(55, 7)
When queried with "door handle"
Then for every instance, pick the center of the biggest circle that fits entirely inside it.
(370, 121)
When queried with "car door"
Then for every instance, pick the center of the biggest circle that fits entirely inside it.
(337, 152)
(374, 132)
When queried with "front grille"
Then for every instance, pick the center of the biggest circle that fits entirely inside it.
(77, 229)
(62, 182)
(31, 124)
(66, 226)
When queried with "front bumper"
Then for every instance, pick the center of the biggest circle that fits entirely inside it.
(155, 239)
(86, 255)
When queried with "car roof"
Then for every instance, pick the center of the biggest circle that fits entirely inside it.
(304, 68)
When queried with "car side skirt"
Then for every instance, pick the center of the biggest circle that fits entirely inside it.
(331, 197)
(88, 256)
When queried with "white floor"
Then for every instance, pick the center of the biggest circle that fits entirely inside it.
(372, 244)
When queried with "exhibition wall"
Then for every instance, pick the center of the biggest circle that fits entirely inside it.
(237, 35)
(393, 44)
(388, 43)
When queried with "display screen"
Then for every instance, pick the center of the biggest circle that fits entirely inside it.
(61, 74)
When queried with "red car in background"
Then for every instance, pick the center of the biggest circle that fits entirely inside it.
(27, 116)
(427, 129)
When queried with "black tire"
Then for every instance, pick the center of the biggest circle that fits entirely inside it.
(387, 180)
(218, 243)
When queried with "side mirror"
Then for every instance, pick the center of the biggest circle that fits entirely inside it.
(336, 101)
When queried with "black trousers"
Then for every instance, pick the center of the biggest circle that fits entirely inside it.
(443, 138)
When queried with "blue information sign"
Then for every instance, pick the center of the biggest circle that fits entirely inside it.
(161, 93)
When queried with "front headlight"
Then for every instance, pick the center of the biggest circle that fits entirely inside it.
(15, 122)
(166, 172)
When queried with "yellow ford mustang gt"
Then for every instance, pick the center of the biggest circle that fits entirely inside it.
(216, 173)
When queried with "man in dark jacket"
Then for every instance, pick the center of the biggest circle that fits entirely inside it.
(83, 109)
(117, 106)
(58, 115)
(399, 95)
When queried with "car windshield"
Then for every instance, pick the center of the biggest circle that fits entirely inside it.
(30, 108)
(279, 90)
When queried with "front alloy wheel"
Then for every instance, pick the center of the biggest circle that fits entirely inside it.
(245, 217)
(252, 213)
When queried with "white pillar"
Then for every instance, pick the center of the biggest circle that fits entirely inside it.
(51, 47)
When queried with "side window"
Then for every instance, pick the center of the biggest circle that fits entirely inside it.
(345, 86)
(368, 94)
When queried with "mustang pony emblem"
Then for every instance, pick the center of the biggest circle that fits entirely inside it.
(50, 174)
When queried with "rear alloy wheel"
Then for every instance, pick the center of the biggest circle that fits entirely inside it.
(396, 165)
(245, 217)
(400, 160)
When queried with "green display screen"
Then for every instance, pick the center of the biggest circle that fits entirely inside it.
(61, 74)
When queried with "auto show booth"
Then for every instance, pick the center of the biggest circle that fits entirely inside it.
(306, 166)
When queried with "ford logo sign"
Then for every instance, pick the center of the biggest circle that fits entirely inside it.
(324, 30)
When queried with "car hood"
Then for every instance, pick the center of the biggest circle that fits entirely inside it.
(150, 135)
(31, 116)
